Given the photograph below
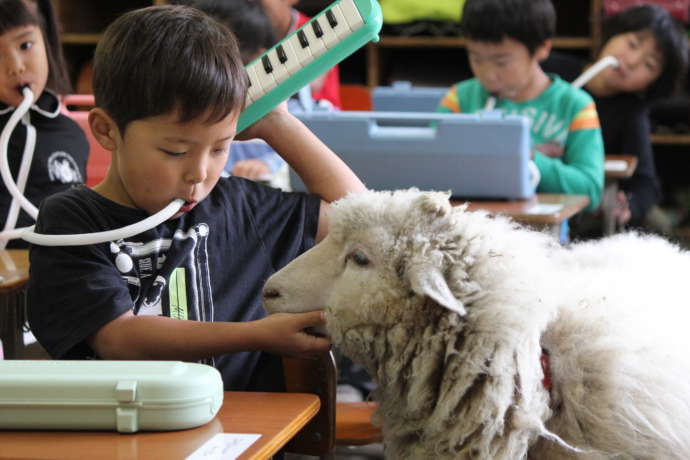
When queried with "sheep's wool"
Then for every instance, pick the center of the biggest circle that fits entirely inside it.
(449, 311)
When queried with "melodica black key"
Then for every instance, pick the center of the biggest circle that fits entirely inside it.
(303, 38)
(331, 19)
(317, 28)
(267, 64)
(282, 57)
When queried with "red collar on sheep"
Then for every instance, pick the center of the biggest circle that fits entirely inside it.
(546, 381)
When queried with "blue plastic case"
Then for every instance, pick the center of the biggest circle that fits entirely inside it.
(483, 155)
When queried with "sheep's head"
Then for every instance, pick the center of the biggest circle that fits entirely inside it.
(443, 307)
(390, 259)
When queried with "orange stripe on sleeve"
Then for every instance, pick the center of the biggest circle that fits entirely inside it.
(450, 100)
(586, 119)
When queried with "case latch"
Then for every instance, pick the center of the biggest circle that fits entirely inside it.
(126, 392)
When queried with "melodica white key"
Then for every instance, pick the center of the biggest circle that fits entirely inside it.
(278, 60)
(255, 90)
(300, 44)
(314, 32)
(328, 38)
(287, 57)
(265, 72)
(337, 27)
(351, 13)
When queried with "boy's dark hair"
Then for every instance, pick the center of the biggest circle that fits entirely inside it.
(530, 22)
(670, 35)
(19, 13)
(164, 59)
(246, 19)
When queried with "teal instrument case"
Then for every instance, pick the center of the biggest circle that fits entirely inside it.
(124, 396)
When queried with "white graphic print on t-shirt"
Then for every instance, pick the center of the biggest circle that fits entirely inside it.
(169, 277)
(62, 168)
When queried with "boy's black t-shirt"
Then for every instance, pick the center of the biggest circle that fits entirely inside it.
(208, 265)
(59, 159)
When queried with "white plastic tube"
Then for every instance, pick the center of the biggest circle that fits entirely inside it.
(534, 174)
(81, 239)
(19, 112)
(601, 64)
(23, 176)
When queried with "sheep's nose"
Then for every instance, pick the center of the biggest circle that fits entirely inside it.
(271, 293)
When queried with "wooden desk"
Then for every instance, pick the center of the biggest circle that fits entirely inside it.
(276, 416)
(544, 210)
(619, 166)
(14, 274)
(616, 167)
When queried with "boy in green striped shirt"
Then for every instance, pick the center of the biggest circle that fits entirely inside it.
(506, 40)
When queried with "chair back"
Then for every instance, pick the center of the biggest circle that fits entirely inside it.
(355, 97)
(99, 158)
(317, 376)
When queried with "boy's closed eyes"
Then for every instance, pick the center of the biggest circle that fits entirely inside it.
(504, 67)
(182, 146)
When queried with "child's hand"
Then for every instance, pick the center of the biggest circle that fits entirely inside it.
(550, 149)
(284, 334)
(621, 210)
(251, 169)
(264, 124)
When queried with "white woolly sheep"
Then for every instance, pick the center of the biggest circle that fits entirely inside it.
(452, 313)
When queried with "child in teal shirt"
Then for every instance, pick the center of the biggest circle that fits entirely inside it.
(506, 40)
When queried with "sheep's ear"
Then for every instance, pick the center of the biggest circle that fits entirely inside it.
(436, 204)
(428, 280)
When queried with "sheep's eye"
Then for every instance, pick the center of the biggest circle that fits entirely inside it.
(359, 258)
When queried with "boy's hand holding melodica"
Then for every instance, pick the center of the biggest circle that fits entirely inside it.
(265, 125)
(284, 334)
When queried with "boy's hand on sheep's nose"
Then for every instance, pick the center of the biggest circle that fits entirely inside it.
(286, 334)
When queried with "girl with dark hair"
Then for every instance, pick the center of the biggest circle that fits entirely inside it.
(30, 56)
(652, 50)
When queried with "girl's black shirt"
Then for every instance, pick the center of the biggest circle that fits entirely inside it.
(626, 130)
(59, 159)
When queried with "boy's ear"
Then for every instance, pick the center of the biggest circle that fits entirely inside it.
(104, 129)
(542, 52)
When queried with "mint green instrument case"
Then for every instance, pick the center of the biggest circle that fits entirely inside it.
(124, 396)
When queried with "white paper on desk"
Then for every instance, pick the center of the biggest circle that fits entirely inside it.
(224, 446)
(544, 208)
(615, 165)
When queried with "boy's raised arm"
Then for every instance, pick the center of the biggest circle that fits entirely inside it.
(321, 170)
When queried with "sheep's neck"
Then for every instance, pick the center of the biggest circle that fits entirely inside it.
(431, 376)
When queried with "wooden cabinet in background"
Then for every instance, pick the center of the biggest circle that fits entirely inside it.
(83, 21)
(82, 24)
(578, 29)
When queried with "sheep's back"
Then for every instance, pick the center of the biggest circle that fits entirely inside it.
(617, 346)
